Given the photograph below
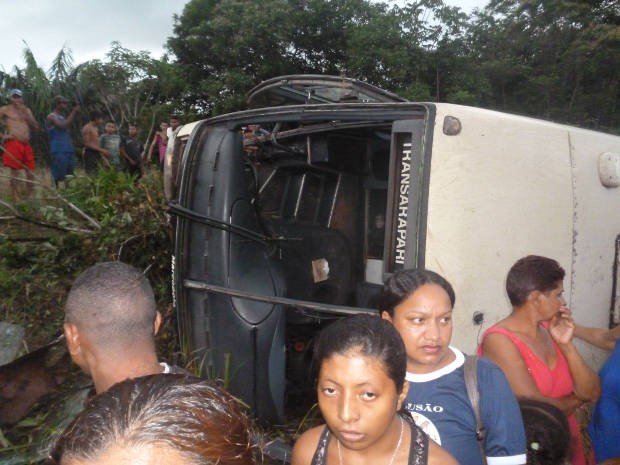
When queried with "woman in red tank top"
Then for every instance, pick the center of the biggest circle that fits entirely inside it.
(534, 348)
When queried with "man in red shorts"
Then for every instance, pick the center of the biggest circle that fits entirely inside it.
(17, 154)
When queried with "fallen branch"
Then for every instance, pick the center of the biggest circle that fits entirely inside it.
(18, 216)
(57, 196)
(128, 240)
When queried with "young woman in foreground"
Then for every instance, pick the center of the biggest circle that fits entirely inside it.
(361, 386)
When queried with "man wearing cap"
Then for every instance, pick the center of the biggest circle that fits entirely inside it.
(61, 146)
(17, 120)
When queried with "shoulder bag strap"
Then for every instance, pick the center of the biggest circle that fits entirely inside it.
(471, 383)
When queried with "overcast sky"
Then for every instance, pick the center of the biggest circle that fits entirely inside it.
(88, 27)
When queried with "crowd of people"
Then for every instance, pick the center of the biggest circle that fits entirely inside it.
(390, 388)
(107, 149)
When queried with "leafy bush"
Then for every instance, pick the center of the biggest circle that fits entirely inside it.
(48, 243)
(39, 257)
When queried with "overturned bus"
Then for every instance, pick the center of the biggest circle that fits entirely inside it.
(292, 213)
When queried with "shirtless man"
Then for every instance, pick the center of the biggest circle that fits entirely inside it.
(17, 155)
(94, 154)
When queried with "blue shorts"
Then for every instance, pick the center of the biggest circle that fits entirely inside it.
(63, 164)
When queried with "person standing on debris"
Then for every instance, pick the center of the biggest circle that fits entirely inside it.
(111, 141)
(17, 155)
(131, 150)
(110, 325)
(61, 146)
(173, 126)
(160, 141)
(94, 154)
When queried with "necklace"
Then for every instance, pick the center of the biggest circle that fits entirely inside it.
(391, 462)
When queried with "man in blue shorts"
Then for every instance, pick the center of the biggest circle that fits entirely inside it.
(61, 146)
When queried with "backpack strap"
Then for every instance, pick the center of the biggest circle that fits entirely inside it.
(471, 383)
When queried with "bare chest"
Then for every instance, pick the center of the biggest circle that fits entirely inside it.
(542, 346)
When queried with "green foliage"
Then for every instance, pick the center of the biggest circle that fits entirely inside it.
(35, 274)
(38, 265)
(128, 87)
(545, 58)
(552, 59)
(226, 47)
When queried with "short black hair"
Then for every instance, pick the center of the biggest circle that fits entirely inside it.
(532, 273)
(403, 283)
(368, 334)
(546, 432)
(95, 115)
(113, 303)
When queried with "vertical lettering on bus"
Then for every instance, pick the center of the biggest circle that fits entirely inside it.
(401, 199)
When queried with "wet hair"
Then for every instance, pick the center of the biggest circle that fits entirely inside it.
(546, 431)
(114, 303)
(201, 421)
(372, 337)
(95, 115)
(403, 283)
(532, 273)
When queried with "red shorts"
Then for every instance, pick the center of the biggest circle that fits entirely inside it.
(18, 155)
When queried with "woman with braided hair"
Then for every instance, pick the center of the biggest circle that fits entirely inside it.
(546, 431)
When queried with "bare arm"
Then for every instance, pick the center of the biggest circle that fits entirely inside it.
(601, 338)
(500, 350)
(586, 383)
(151, 148)
(28, 116)
(304, 447)
(53, 118)
(124, 154)
(91, 141)
(439, 456)
(3, 115)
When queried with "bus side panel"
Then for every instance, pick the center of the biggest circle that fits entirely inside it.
(597, 224)
(499, 190)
